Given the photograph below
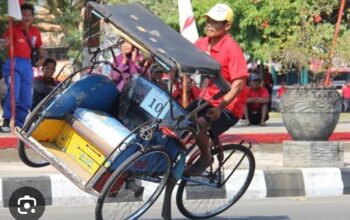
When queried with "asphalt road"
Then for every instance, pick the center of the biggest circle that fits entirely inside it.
(332, 208)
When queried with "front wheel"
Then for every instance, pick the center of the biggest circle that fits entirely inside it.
(220, 186)
(135, 185)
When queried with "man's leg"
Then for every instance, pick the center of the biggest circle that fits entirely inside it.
(263, 114)
(7, 102)
(205, 159)
(246, 115)
(219, 126)
(26, 96)
(346, 103)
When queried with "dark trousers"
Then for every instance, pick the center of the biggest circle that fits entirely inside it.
(346, 105)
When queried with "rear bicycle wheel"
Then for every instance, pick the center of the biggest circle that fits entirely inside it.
(133, 188)
(219, 187)
(31, 159)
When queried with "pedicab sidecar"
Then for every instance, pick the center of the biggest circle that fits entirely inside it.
(102, 139)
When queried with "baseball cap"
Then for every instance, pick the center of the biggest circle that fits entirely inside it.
(220, 12)
(255, 77)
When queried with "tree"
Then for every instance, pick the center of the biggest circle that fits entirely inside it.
(68, 15)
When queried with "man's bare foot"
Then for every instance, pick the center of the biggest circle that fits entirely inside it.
(198, 167)
(262, 124)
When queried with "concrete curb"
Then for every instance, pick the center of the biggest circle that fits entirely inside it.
(308, 182)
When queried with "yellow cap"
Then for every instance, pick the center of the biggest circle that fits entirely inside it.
(221, 12)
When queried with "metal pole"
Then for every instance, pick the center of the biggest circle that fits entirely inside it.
(335, 38)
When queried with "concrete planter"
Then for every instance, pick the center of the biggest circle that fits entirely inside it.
(310, 114)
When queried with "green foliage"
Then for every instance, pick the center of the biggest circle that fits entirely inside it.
(279, 30)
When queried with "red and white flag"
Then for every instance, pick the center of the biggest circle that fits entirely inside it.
(188, 28)
(14, 9)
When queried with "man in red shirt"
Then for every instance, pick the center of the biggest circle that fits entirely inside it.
(23, 34)
(226, 111)
(281, 89)
(256, 111)
(192, 92)
(43, 85)
(346, 96)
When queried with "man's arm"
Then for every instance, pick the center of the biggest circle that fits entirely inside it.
(4, 42)
(262, 100)
(236, 88)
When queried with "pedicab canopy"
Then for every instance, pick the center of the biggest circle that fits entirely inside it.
(144, 29)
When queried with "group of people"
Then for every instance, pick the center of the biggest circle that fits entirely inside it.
(246, 97)
(26, 38)
(221, 114)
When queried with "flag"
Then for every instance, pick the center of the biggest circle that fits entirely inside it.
(14, 9)
(188, 28)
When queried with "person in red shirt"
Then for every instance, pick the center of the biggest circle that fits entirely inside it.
(346, 96)
(23, 34)
(256, 111)
(192, 92)
(226, 111)
(281, 89)
(43, 85)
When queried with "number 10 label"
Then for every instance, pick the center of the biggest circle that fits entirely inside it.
(156, 103)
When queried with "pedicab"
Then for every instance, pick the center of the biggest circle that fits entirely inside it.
(126, 147)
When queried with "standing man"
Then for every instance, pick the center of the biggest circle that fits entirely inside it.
(226, 111)
(23, 34)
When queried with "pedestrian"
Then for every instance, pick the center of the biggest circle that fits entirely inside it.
(282, 89)
(26, 38)
(256, 110)
(43, 85)
(127, 63)
(224, 112)
(346, 96)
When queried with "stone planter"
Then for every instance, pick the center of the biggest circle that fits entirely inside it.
(310, 114)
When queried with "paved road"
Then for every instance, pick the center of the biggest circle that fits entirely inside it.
(333, 208)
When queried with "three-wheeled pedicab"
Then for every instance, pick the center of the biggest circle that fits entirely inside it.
(125, 147)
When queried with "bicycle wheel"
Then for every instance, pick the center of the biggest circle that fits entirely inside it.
(34, 160)
(134, 186)
(219, 187)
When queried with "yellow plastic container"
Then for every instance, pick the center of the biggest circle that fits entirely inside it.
(81, 150)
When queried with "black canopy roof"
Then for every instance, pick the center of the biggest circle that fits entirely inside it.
(143, 27)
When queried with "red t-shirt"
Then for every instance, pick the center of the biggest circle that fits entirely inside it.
(233, 66)
(21, 47)
(258, 93)
(280, 91)
(177, 94)
(346, 92)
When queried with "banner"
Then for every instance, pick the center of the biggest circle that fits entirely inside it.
(188, 28)
(14, 9)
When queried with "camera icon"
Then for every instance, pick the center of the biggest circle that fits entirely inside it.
(26, 204)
